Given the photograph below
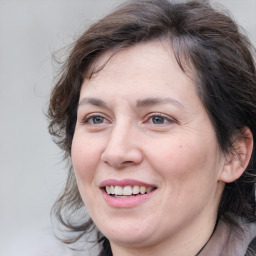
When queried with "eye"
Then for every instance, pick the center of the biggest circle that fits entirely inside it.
(158, 120)
(94, 119)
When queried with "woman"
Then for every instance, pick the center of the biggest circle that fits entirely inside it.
(156, 109)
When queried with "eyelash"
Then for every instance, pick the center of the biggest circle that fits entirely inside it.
(90, 119)
(166, 119)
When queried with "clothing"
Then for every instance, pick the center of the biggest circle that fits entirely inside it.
(228, 241)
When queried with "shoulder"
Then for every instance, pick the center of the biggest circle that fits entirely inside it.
(243, 239)
(230, 240)
(251, 250)
(250, 231)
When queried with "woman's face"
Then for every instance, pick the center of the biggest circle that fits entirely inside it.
(142, 127)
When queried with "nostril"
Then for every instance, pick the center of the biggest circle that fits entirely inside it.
(119, 165)
(127, 162)
(121, 157)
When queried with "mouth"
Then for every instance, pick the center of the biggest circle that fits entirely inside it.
(127, 191)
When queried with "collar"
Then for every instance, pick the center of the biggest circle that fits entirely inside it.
(228, 240)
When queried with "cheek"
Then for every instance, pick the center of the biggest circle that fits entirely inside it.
(187, 168)
(186, 160)
(84, 157)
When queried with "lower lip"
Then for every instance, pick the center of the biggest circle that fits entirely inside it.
(126, 202)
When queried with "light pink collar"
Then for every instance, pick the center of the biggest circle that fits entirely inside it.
(228, 241)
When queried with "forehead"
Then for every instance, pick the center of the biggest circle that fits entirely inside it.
(147, 62)
(134, 74)
(143, 50)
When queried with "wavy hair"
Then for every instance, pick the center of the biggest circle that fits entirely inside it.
(206, 39)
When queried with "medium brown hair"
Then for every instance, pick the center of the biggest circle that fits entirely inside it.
(204, 38)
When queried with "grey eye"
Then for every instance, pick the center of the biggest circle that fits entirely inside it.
(158, 120)
(97, 120)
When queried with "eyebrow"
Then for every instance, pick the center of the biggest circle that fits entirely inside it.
(141, 103)
(148, 102)
(93, 101)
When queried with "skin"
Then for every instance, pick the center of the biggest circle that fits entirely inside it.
(179, 153)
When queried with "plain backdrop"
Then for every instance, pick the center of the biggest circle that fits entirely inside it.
(32, 172)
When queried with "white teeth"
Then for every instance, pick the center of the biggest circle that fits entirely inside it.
(108, 189)
(118, 190)
(127, 190)
(112, 190)
(142, 190)
(136, 190)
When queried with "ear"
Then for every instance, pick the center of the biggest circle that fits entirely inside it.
(237, 161)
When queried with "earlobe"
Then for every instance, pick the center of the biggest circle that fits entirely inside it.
(237, 161)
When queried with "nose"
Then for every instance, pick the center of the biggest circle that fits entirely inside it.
(122, 148)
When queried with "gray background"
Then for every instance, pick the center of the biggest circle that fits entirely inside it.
(31, 171)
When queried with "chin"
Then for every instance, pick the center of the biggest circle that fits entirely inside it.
(128, 233)
(130, 239)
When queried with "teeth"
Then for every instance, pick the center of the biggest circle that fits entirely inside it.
(127, 190)
(142, 190)
(108, 189)
(118, 190)
(149, 189)
(136, 190)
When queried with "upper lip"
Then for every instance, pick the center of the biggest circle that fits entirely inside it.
(124, 182)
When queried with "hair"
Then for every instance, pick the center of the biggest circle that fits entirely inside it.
(204, 38)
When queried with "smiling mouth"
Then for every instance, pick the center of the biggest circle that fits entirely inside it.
(127, 191)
